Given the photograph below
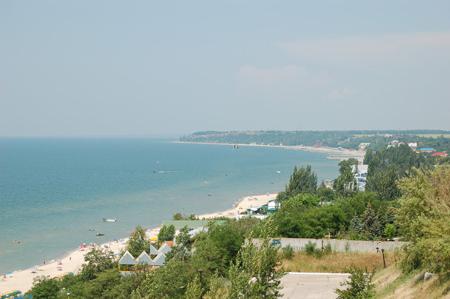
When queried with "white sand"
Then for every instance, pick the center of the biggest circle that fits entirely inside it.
(22, 280)
(332, 153)
(245, 203)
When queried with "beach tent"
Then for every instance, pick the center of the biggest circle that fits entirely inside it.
(144, 259)
(127, 259)
(153, 250)
(159, 260)
(165, 249)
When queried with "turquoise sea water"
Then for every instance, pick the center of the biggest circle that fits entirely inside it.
(52, 191)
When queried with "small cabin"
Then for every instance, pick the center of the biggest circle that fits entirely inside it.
(127, 262)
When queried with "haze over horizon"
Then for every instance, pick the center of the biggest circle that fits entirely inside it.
(114, 68)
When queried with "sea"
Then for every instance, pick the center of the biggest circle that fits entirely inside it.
(54, 193)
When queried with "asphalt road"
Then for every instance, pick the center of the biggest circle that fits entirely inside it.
(311, 285)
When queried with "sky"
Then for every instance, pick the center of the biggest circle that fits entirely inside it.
(168, 68)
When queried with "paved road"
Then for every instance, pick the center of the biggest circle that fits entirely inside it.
(311, 285)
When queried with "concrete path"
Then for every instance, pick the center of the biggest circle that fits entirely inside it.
(311, 285)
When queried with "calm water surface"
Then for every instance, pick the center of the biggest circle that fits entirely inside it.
(52, 191)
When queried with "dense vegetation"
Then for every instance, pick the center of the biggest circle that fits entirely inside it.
(439, 139)
(221, 266)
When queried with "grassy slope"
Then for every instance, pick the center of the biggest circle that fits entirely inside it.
(391, 283)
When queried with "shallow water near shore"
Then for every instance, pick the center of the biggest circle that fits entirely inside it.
(54, 193)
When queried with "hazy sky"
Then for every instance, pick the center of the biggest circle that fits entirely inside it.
(89, 68)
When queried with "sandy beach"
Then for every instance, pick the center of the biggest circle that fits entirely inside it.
(242, 206)
(22, 280)
(332, 153)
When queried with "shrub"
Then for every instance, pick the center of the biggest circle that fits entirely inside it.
(327, 249)
(44, 288)
(359, 286)
(166, 233)
(347, 246)
(287, 252)
(310, 248)
(389, 230)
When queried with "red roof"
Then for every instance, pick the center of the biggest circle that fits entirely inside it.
(439, 154)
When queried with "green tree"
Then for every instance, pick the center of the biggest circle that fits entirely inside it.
(219, 288)
(96, 261)
(138, 242)
(389, 165)
(255, 273)
(102, 286)
(359, 286)
(178, 216)
(194, 289)
(370, 222)
(182, 249)
(45, 288)
(384, 183)
(423, 218)
(215, 250)
(302, 180)
(326, 194)
(169, 281)
(345, 184)
(166, 233)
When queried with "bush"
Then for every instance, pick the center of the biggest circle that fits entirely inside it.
(166, 233)
(347, 246)
(359, 286)
(389, 231)
(44, 288)
(287, 252)
(424, 220)
(327, 249)
(310, 248)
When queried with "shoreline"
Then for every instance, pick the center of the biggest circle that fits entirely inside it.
(333, 153)
(72, 261)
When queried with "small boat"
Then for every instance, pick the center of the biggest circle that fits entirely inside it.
(109, 220)
(278, 171)
(100, 234)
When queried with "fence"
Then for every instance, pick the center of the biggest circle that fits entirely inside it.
(340, 245)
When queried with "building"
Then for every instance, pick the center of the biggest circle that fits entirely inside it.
(360, 173)
(159, 260)
(364, 145)
(412, 145)
(153, 250)
(164, 249)
(127, 262)
(273, 206)
(426, 150)
(395, 143)
(144, 259)
(439, 154)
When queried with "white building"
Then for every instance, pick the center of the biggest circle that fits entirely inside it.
(273, 205)
(360, 172)
(412, 145)
(127, 262)
(364, 145)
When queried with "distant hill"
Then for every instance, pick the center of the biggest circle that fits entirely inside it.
(346, 139)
